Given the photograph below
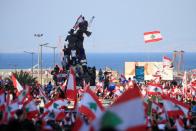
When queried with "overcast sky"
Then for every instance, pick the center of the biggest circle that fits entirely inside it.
(118, 26)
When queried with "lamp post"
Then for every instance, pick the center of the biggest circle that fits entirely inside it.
(41, 45)
(39, 54)
(32, 53)
(52, 47)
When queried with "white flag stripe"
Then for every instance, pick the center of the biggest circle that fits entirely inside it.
(86, 100)
(70, 84)
(132, 115)
(169, 106)
(149, 36)
(153, 89)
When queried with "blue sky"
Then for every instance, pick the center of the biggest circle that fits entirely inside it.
(118, 26)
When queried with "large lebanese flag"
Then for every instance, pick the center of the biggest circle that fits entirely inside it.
(16, 84)
(71, 91)
(127, 113)
(153, 36)
(90, 105)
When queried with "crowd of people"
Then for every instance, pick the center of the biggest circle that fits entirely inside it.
(53, 111)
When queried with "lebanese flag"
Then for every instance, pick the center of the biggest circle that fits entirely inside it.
(179, 125)
(175, 108)
(80, 125)
(126, 113)
(57, 115)
(56, 104)
(154, 89)
(153, 36)
(78, 21)
(167, 62)
(31, 109)
(184, 83)
(16, 83)
(2, 100)
(23, 95)
(12, 108)
(90, 105)
(166, 59)
(71, 91)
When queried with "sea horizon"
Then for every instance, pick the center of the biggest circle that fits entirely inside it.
(101, 60)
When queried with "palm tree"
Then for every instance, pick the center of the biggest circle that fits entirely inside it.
(25, 78)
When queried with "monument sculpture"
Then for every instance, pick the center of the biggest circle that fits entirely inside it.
(74, 52)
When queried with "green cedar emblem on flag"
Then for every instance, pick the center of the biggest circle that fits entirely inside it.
(93, 106)
(55, 105)
(152, 36)
(110, 119)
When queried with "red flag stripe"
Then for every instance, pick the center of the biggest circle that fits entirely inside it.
(153, 40)
(95, 98)
(152, 32)
(131, 93)
(86, 111)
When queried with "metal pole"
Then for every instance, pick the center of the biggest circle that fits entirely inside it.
(32, 53)
(53, 47)
(41, 58)
(38, 36)
(54, 56)
(41, 63)
(32, 63)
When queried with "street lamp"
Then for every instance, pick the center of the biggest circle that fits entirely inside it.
(39, 59)
(32, 53)
(53, 47)
(41, 45)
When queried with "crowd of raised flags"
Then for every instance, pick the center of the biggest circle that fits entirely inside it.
(156, 105)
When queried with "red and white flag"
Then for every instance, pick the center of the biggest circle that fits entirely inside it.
(90, 105)
(174, 108)
(78, 21)
(126, 113)
(154, 89)
(12, 108)
(56, 104)
(23, 95)
(167, 62)
(31, 109)
(2, 100)
(80, 125)
(71, 91)
(153, 36)
(16, 84)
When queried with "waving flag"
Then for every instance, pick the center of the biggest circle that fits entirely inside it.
(174, 108)
(2, 99)
(13, 107)
(56, 104)
(90, 105)
(153, 36)
(127, 113)
(154, 89)
(78, 21)
(71, 91)
(31, 109)
(167, 62)
(80, 125)
(16, 84)
(23, 95)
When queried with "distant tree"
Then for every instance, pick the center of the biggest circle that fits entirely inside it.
(25, 78)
